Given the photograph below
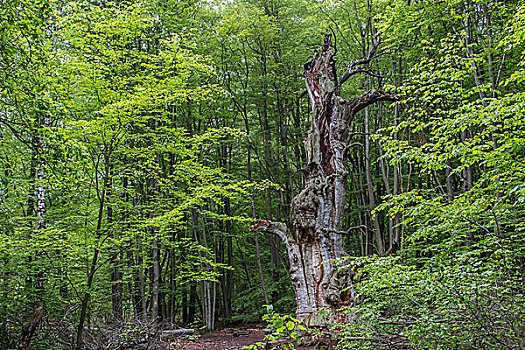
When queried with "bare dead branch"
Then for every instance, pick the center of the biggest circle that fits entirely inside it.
(352, 68)
(276, 228)
(366, 99)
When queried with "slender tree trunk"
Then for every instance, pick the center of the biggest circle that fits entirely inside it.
(37, 199)
(92, 267)
(207, 299)
(135, 303)
(256, 235)
(135, 264)
(271, 164)
(153, 192)
(116, 275)
(228, 285)
(363, 215)
(370, 188)
(37, 206)
(193, 301)
(397, 66)
(185, 305)
(141, 296)
(384, 173)
(450, 190)
(173, 287)
(155, 279)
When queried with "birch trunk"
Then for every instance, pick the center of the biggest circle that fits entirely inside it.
(314, 239)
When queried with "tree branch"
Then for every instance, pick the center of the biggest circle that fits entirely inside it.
(358, 103)
(277, 228)
(352, 70)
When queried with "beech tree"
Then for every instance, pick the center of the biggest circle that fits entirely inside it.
(314, 240)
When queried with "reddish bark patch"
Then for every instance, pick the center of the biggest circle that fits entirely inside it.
(320, 73)
(259, 224)
(327, 152)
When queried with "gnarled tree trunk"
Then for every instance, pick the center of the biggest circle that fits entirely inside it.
(314, 239)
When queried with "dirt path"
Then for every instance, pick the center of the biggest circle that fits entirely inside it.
(224, 339)
(219, 340)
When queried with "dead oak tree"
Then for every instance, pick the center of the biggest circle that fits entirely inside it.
(314, 239)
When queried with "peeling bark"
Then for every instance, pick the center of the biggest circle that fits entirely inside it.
(314, 239)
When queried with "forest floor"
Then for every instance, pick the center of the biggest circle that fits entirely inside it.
(223, 339)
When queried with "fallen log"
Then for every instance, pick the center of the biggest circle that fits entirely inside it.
(177, 332)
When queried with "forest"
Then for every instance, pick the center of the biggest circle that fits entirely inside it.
(352, 172)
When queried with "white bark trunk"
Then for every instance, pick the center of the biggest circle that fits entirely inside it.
(314, 240)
